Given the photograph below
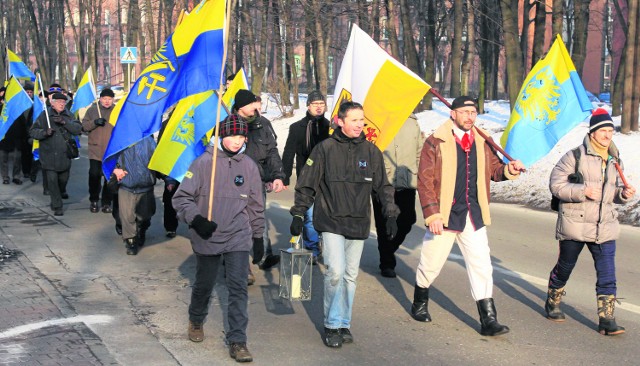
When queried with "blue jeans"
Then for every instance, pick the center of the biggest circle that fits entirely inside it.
(342, 258)
(604, 261)
(310, 236)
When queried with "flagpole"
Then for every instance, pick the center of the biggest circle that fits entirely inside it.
(93, 83)
(482, 134)
(44, 104)
(619, 169)
(215, 139)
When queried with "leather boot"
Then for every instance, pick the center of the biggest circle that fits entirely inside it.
(419, 308)
(607, 324)
(489, 319)
(552, 305)
(141, 235)
(132, 246)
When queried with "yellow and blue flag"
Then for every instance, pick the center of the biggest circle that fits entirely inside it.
(86, 93)
(239, 82)
(16, 101)
(186, 135)
(18, 68)
(552, 101)
(189, 62)
(38, 108)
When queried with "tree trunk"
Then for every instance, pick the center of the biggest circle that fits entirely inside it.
(539, 29)
(470, 49)
(636, 92)
(581, 21)
(513, 52)
(524, 35)
(410, 53)
(391, 29)
(629, 69)
(321, 60)
(374, 31)
(456, 47)
(557, 17)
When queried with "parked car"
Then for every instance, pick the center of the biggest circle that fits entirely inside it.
(605, 97)
(594, 100)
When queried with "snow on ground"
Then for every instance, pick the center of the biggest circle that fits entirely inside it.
(532, 188)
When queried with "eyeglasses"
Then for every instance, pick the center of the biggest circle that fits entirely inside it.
(467, 113)
(317, 104)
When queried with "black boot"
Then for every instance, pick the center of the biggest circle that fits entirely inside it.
(141, 234)
(489, 319)
(552, 305)
(607, 324)
(419, 308)
(132, 246)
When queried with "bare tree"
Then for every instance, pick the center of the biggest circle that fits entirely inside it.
(539, 30)
(513, 52)
(581, 27)
(456, 46)
(557, 16)
(631, 65)
(470, 49)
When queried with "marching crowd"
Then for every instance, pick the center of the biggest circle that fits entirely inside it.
(339, 176)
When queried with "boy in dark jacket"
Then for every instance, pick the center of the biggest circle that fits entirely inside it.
(341, 174)
(227, 229)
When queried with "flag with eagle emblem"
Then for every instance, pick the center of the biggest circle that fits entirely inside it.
(551, 103)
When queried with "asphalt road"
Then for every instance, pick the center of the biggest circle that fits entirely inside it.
(137, 305)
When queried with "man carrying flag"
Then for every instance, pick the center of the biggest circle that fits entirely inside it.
(456, 165)
(95, 124)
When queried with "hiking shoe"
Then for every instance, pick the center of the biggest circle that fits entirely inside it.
(332, 338)
(388, 272)
(240, 352)
(347, 337)
(196, 333)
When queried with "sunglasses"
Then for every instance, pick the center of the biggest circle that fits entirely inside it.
(55, 89)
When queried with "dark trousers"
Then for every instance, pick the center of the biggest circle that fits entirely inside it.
(236, 267)
(603, 255)
(170, 215)
(7, 157)
(97, 182)
(27, 159)
(57, 184)
(115, 212)
(406, 201)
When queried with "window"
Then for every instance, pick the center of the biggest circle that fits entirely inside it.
(298, 65)
(330, 67)
(297, 34)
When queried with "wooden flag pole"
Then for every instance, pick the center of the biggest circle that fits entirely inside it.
(484, 135)
(619, 169)
(216, 139)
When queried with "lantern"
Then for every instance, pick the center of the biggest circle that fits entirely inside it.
(296, 266)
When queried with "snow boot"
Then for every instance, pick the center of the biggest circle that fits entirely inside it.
(489, 319)
(419, 308)
(552, 305)
(607, 324)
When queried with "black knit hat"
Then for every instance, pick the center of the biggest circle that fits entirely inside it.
(233, 125)
(28, 86)
(599, 119)
(463, 101)
(314, 96)
(243, 97)
(106, 92)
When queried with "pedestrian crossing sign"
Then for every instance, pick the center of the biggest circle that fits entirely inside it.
(128, 55)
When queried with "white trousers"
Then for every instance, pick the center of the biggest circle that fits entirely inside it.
(474, 246)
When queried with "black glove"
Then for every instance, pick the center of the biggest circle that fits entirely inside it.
(203, 227)
(100, 122)
(392, 228)
(296, 225)
(258, 250)
(57, 119)
(50, 131)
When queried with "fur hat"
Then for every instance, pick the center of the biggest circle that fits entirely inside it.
(106, 92)
(243, 97)
(600, 118)
(463, 101)
(233, 125)
(315, 96)
(59, 96)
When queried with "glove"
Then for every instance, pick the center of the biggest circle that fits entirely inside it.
(258, 250)
(57, 119)
(50, 131)
(100, 122)
(392, 228)
(296, 225)
(203, 227)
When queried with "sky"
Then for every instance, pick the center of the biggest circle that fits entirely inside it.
(532, 188)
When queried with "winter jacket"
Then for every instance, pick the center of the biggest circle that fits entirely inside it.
(134, 160)
(303, 136)
(437, 174)
(238, 206)
(579, 218)
(402, 156)
(262, 147)
(98, 135)
(53, 149)
(16, 135)
(340, 176)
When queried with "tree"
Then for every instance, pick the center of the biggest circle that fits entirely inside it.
(456, 46)
(581, 28)
(513, 52)
(629, 102)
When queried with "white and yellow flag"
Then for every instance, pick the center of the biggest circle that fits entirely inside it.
(387, 90)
